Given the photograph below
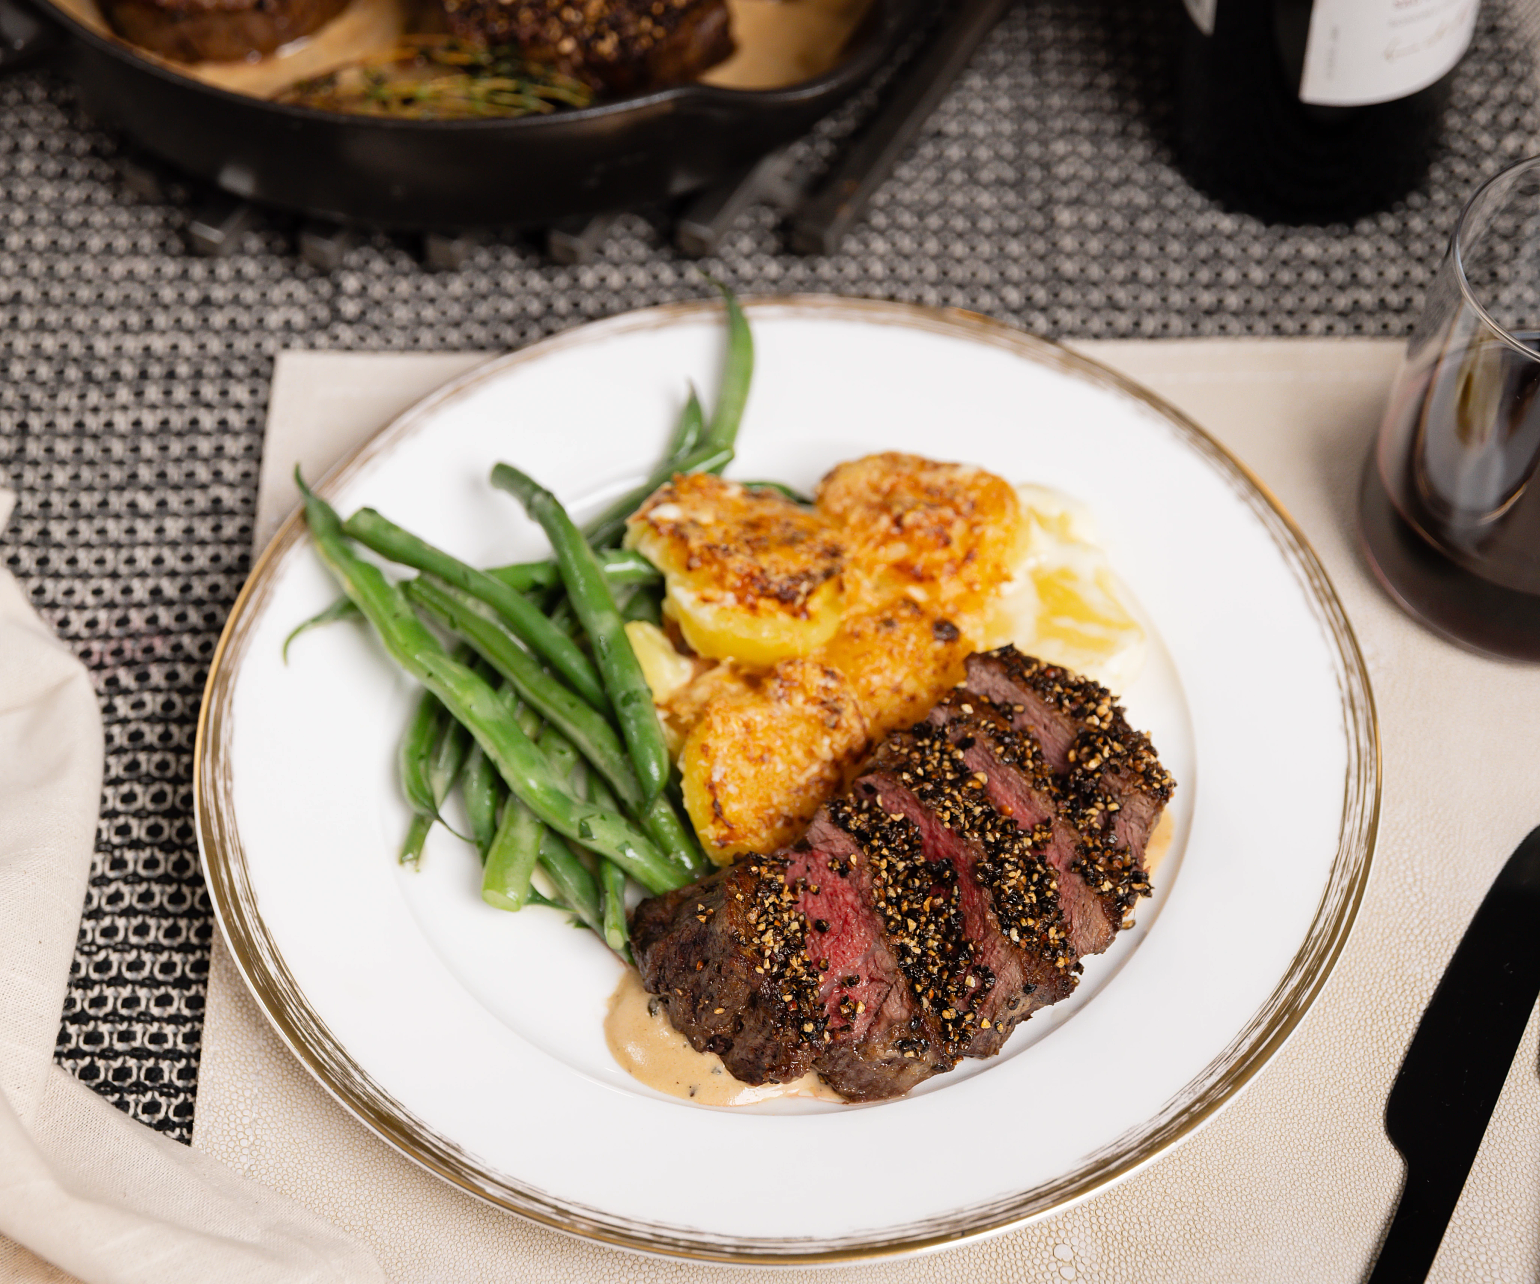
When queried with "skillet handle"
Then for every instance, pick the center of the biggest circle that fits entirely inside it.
(26, 37)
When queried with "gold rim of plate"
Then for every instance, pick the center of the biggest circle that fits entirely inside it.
(263, 968)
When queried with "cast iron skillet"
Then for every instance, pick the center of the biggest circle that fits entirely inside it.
(445, 175)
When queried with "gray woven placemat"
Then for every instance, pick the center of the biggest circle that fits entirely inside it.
(134, 377)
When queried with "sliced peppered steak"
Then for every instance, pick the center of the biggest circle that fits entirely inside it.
(930, 909)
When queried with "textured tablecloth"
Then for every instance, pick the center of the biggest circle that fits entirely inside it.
(1295, 1180)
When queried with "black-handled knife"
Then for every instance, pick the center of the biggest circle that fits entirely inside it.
(1460, 1055)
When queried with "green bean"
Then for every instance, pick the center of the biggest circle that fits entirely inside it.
(645, 605)
(564, 618)
(482, 791)
(716, 447)
(511, 857)
(612, 883)
(560, 752)
(620, 566)
(416, 835)
(430, 758)
(373, 531)
(448, 758)
(708, 459)
(423, 732)
(480, 709)
(561, 860)
(662, 822)
(733, 395)
(796, 496)
(610, 525)
(588, 729)
(590, 596)
(571, 879)
(515, 847)
(341, 609)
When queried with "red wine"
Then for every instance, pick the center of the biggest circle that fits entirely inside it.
(1315, 111)
(1451, 498)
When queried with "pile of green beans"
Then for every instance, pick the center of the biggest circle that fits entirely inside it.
(539, 714)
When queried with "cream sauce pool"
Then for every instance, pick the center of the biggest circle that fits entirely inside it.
(649, 1049)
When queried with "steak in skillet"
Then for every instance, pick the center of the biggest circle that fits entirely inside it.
(929, 910)
(616, 46)
(217, 30)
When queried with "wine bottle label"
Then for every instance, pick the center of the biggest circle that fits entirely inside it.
(1372, 51)
(1202, 13)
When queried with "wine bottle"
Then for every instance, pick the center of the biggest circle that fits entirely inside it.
(1315, 111)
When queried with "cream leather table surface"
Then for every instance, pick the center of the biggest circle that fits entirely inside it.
(1295, 1180)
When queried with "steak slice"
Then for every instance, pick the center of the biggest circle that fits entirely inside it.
(1053, 703)
(617, 46)
(728, 958)
(883, 1039)
(1113, 785)
(217, 30)
(1000, 980)
(1021, 786)
(929, 910)
(1115, 792)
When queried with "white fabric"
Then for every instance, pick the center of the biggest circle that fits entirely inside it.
(82, 1186)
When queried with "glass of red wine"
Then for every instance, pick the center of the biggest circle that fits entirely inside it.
(1450, 507)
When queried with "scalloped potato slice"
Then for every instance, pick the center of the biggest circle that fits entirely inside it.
(766, 753)
(749, 574)
(944, 534)
(899, 660)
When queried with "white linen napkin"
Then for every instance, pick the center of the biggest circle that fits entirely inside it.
(82, 1186)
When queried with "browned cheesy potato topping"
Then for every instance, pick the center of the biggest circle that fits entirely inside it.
(797, 636)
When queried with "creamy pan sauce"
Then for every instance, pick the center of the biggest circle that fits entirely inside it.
(649, 1048)
(780, 42)
(784, 42)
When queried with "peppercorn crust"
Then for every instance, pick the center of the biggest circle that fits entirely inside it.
(1113, 784)
(614, 45)
(729, 959)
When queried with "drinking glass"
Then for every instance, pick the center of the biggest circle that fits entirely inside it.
(1450, 507)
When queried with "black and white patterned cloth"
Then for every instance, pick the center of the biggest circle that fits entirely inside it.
(134, 379)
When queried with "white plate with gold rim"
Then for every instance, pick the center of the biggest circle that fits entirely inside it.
(472, 1040)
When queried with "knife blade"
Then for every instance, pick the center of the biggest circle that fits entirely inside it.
(1454, 1069)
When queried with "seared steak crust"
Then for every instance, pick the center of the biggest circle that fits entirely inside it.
(924, 775)
(728, 958)
(950, 893)
(1021, 786)
(920, 905)
(618, 46)
(1115, 791)
(1112, 783)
